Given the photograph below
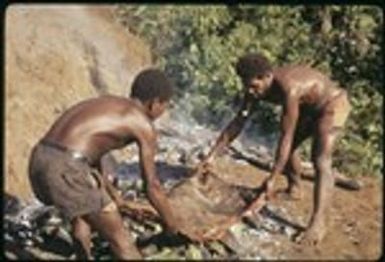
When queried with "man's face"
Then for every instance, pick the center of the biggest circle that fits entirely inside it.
(158, 107)
(258, 85)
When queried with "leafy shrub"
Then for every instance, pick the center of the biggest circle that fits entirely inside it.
(198, 46)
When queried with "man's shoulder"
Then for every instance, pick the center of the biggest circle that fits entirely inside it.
(129, 110)
(114, 98)
(119, 103)
(106, 100)
(136, 116)
(294, 69)
(298, 73)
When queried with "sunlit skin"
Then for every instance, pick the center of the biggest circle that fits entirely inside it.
(300, 90)
(97, 126)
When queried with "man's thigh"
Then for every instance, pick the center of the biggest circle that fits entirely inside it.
(108, 221)
(324, 137)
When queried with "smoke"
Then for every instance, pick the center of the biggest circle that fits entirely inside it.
(201, 130)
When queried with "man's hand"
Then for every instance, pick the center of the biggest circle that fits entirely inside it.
(112, 191)
(173, 226)
(268, 186)
(202, 167)
(119, 201)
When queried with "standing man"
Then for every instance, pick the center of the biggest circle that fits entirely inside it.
(313, 106)
(65, 165)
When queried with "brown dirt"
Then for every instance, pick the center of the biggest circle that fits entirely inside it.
(57, 55)
(355, 221)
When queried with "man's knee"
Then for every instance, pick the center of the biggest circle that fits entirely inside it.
(295, 161)
(323, 163)
(124, 246)
(323, 167)
(110, 225)
(81, 231)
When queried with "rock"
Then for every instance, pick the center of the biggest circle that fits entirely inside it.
(217, 248)
(10, 255)
(238, 229)
(54, 221)
(193, 252)
(287, 231)
(205, 253)
(164, 254)
(149, 250)
(12, 205)
(260, 234)
(130, 195)
(28, 243)
(64, 235)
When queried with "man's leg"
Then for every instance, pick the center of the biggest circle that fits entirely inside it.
(81, 232)
(322, 150)
(294, 168)
(293, 173)
(110, 225)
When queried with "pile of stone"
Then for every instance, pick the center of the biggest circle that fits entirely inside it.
(31, 225)
(38, 231)
(42, 232)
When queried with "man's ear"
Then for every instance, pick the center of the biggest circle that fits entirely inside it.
(153, 103)
(269, 76)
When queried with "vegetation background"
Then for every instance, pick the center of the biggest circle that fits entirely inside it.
(198, 45)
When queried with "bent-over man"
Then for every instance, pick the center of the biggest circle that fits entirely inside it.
(313, 106)
(65, 164)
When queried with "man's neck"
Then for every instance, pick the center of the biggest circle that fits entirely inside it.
(142, 106)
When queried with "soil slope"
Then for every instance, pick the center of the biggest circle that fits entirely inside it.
(56, 56)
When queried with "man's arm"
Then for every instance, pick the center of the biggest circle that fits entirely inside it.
(233, 129)
(106, 168)
(154, 190)
(288, 125)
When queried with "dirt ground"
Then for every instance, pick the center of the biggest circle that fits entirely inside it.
(355, 221)
(354, 229)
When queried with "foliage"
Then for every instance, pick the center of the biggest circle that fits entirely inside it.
(198, 46)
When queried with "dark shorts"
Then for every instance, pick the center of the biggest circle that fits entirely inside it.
(67, 183)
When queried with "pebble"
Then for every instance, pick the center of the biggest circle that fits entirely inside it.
(63, 234)
(193, 252)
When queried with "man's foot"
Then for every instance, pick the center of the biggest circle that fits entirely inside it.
(267, 186)
(290, 193)
(311, 236)
(271, 194)
(294, 192)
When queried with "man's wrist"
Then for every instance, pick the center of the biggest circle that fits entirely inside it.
(209, 159)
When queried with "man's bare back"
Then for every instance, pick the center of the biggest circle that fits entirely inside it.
(99, 125)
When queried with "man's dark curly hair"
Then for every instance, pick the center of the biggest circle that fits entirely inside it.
(151, 84)
(252, 65)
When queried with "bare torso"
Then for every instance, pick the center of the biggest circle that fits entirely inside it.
(98, 125)
(312, 87)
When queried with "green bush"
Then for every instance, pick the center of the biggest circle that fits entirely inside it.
(198, 46)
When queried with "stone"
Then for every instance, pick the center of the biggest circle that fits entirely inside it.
(193, 252)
